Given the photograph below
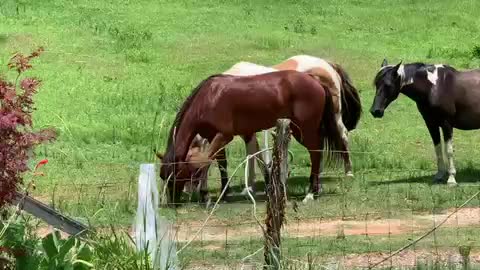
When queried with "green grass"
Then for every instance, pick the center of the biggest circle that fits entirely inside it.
(115, 72)
(326, 248)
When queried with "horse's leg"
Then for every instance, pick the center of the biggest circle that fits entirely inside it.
(215, 148)
(322, 164)
(448, 139)
(435, 134)
(251, 146)
(315, 185)
(219, 141)
(203, 187)
(266, 157)
(313, 144)
(263, 162)
(346, 155)
(222, 166)
(434, 129)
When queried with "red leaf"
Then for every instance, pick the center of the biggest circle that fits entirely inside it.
(41, 163)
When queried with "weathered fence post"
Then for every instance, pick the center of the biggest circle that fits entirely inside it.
(153, 232)
(276, 195)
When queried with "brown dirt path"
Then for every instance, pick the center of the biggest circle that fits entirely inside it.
(215, 231)
(307, 228)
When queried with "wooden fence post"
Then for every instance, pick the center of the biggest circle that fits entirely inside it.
(276, 195)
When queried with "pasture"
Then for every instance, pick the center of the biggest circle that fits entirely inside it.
(115, 72)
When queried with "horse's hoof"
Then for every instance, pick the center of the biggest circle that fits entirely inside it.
(246, 191)
(451, 182)
(349, 175)
(208, 204)
(308, 198)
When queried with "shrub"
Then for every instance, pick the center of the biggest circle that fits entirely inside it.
(17, 139)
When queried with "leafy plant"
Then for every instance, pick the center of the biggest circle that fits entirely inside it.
(65, 254)
(17, 139)
(18, 242)
(114, 251)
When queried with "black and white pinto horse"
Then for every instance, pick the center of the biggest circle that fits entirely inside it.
(445, 97)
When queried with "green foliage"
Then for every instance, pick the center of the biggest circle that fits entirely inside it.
(117, 252)
(65, 254)
(19, 242)
(112, 67)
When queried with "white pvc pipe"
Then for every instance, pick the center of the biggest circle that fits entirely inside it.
(151, 230)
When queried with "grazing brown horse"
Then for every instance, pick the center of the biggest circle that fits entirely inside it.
(224, 106)
(346, 102)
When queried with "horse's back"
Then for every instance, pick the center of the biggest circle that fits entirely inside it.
(241, 105)
(247, 69)
(465, 88)
(466, 82)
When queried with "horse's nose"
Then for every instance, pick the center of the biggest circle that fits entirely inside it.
(377, 113)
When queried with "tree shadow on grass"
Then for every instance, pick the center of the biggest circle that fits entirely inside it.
(466, 175)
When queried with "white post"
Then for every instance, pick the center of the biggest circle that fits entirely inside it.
(152, 231)
(267, 155)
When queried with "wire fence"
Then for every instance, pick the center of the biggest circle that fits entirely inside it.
(380, 218)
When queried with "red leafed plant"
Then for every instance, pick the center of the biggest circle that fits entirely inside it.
(17, 139)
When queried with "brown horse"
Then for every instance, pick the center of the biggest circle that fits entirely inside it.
(224, 106)
(346, 102)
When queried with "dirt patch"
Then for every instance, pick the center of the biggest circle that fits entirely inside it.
(44, 231)
(217, 231)
(308, 228)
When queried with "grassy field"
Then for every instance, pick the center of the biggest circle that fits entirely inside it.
(115, 72)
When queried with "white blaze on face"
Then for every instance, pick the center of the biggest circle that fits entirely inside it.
(248, 69)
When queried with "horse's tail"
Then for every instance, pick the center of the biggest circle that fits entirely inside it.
(351, 104)
(329, 131)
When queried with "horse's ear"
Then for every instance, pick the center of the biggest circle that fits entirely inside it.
(397, 66)
(384, 63)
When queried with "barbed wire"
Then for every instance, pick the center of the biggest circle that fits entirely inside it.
(231, 240)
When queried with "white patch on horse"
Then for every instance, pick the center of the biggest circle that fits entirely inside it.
(403, 77)
(451, 166)
(307, 62)
(246, 191)
(440, 162)
(308, 198)
(433, 76)
(248, 69)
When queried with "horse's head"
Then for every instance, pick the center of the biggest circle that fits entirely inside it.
(177, 172)
(388, 84)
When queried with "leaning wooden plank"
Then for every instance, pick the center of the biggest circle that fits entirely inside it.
(49, 215)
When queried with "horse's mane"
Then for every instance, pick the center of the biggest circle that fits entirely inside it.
(409, 70)
(351, 103)
(170, 152)
(381, 74)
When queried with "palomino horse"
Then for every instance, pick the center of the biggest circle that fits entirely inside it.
(224, 106)
(346, 100)
(445, 97)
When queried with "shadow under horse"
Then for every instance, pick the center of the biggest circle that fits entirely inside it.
(467, 175)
